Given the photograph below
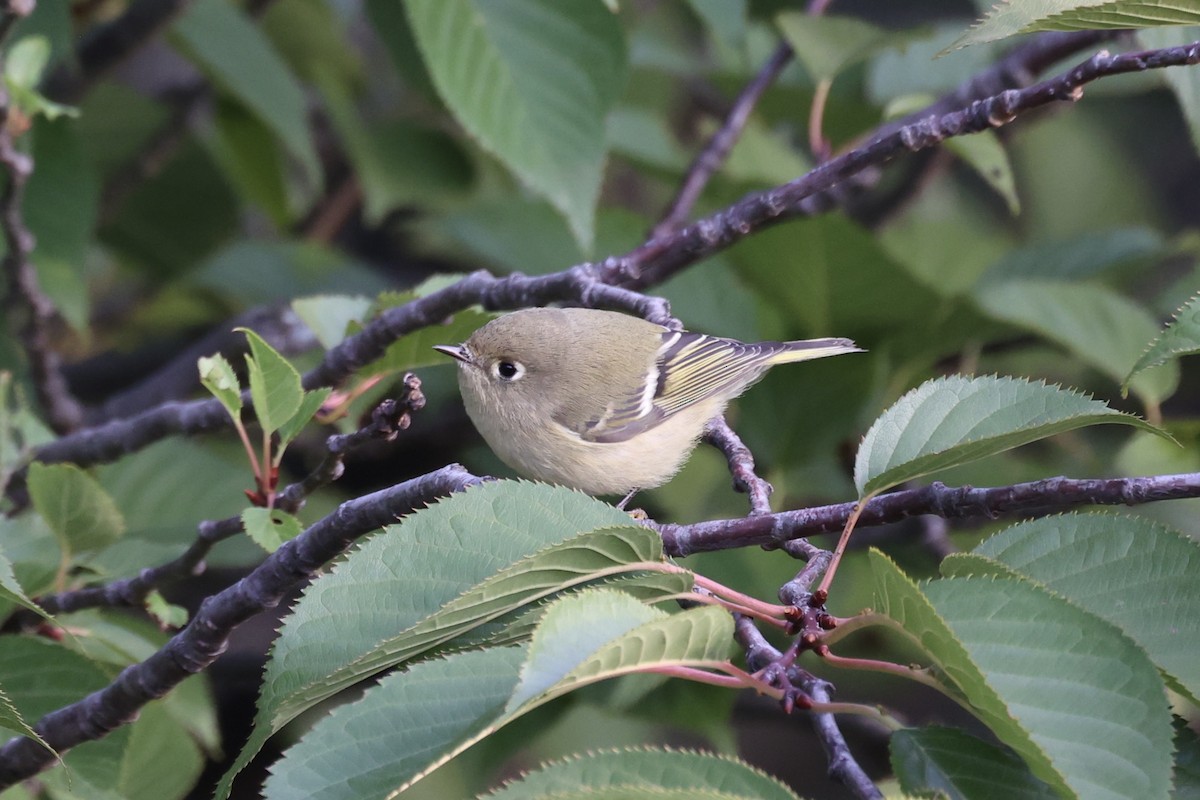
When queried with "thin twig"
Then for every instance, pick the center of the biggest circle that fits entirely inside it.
(25, 296)
(741, 464)
(710, 159)
(761, 655)
(1036, 498)
(205, 637)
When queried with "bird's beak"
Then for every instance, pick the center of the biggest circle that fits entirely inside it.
(457, 352)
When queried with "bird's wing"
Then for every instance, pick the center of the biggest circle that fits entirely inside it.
(688, 368)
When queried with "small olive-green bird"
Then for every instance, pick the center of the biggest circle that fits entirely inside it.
(602, 401)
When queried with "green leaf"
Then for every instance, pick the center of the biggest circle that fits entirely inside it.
(403, 576)
(548, 70)
(82, 515)
(987, 157)
(217, 375)
(11, 720)
(1012, 18)
(329, 316)
(1139, 575)
(1098, 326)
(274, 383)
(165, 614)
(958, 766)
(1075, 697)
(1087, 696)
(241, 60)
(257, 271)
(956, 420)
(1181, 337)
(309, 407)
(828, 44)
(582, 639)
(1184, 83)
(643, 768)
(270, 527)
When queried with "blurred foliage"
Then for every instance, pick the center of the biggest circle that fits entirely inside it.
(340, 153)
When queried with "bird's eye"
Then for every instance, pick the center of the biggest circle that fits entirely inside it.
(508, 370)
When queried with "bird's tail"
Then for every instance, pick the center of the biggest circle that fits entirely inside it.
(807, 349)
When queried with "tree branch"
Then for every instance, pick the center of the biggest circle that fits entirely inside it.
(205, 637)
(608, 283)
(1036, 498)
(741, 464)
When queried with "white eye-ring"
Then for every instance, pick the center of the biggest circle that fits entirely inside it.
(507, 370)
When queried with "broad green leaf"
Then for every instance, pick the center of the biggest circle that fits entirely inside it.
(828, 44)
(1087, 695)
(1077, 699)
(240, 59)
(329, 316)
(588, 557)
(643, 136)
(1139, 575)
(542, 76)
(956, 420)
(960, 766)
(12, 721)
(609, 634)
(1181, 337)
(270, 527)
(11, 590)
(665, 770)
(217, 375)
(1027, 16)
(1184, 83)
(274, 383)
(899, 599)
(397, 579)
(61, 206)
(82, 515)
(985, 154)
(33, 550)
(162, 762)
(1098, 326)
(309, 406)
